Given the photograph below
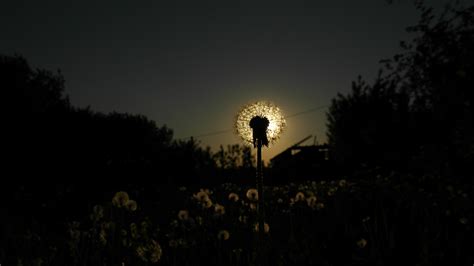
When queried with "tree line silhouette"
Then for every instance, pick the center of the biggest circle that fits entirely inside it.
(417, 116)
(47, 135)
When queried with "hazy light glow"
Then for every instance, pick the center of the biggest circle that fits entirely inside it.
(263, 109)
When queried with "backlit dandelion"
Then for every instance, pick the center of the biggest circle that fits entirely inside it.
(342, 183)
(131, 205)
(120, 199)
(262, 109)
(311, 202)
(266, 228)
(233, 197)
(207, 203)
(259, 124)
(253, 206)
(252, 194)
(299, 196)
(219, 209)
(361, 243)
(183, 215)
(201, 196)
(156, 251)
(223, 235)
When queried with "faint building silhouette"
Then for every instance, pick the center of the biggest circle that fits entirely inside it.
(301, 162)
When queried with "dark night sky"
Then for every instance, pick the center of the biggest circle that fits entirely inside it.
(193, 64)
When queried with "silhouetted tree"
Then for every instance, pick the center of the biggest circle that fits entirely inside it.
(35, 105)
(192, 163)
(437, 69)
(234, 156)
(235, 163)
(370, 125)
(419, 114)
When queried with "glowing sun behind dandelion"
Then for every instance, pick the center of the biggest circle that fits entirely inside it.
(261, 109)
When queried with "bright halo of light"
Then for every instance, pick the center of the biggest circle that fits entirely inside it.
(263, 109)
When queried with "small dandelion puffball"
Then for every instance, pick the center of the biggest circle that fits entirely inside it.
(183, 215)
(361, 243)
(131, 205)
(299, 196)
(253, 206)
(265, 111)
(207, 203)
(156, 251)
(201, 196)
(233, 197)
(252, 194)
(219, 209)
(223, 235)
(120, 199)
(342, 183)
(266, 228)
(311, 202)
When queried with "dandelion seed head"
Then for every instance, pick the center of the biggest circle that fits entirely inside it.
(120, 199)
(299, 196)
(263, 109)
(183, 215)
(131, 205)
(252, 194)
(311, 202)
(253, 206)
(233, 197)
(223, 235)
(207, 203)
(201, 196)
(361, 243)
(156, 251)
(342, 183)
(219, 209)
(266, 228)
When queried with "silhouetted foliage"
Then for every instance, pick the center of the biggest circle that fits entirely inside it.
(50, 136)
(235, 163)
(419, 113)
(191, 162)
(234, 156)
(46, 135)
(371, 125)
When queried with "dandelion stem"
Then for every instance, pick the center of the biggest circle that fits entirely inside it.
(261, 213)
